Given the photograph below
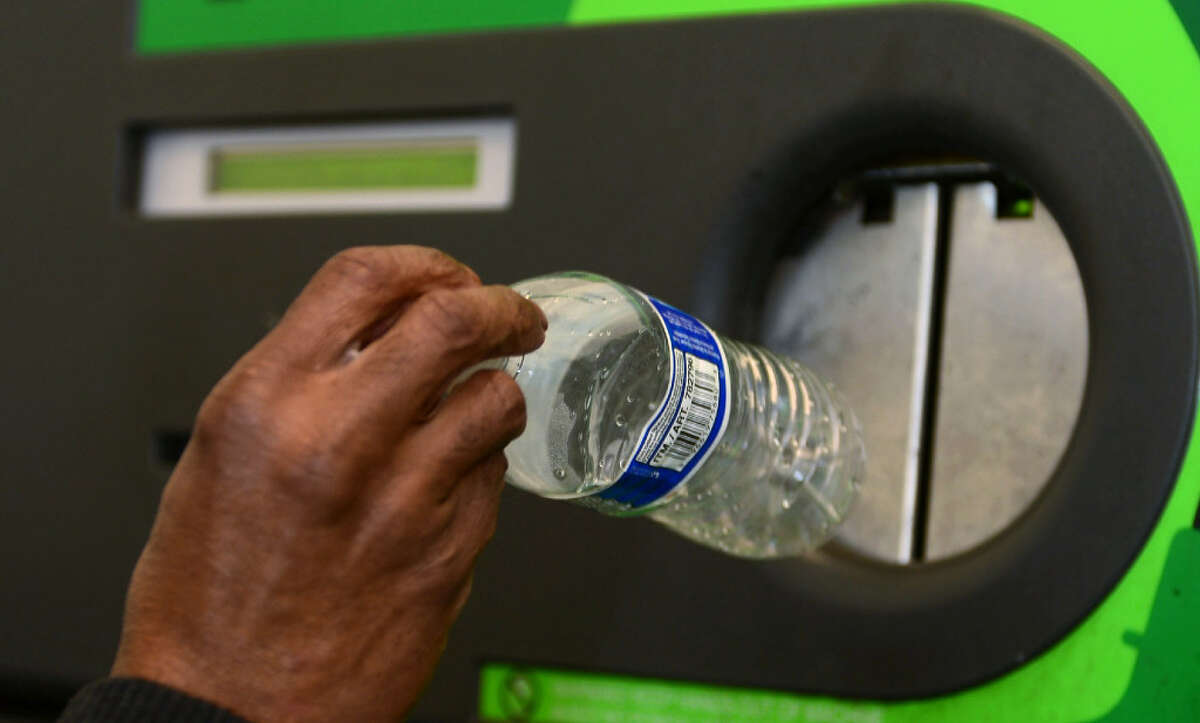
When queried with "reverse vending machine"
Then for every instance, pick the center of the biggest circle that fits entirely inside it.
(975, 218)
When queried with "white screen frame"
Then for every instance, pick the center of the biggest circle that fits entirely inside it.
(176, 170)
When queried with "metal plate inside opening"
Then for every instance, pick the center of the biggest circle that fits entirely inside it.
(950, 312)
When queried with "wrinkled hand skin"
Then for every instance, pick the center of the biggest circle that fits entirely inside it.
(317, 538)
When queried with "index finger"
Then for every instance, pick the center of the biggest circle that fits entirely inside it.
(441, 334)
(355, 292)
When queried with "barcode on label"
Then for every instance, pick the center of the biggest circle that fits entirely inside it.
(697, 414)
(655, 435)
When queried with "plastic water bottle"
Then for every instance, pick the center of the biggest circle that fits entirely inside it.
(635, 407)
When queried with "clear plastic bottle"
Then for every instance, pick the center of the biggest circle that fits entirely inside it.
(636, 408)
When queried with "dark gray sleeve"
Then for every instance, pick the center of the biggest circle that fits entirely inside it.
(117, 700)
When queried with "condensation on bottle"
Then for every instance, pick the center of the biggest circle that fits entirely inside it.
(636, 408)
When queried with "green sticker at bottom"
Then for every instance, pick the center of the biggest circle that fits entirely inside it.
(518, 693)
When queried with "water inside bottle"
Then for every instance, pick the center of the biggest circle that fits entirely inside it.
(777, 482)
(599, 375)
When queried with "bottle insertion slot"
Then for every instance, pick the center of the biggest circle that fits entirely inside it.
(955, 323)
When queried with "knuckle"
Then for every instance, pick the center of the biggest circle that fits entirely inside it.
(453, 317)
(238, 405)
(501, 468)
(508, 400)
(361, 266)
(417, 510)
(215, 413)
(250, 429)
(437, 263)
(312, 472)
(487, 530)
(463, 594)
(498, 412)
(450, 550)
(449, 563)
(483, 532)
(505, 392)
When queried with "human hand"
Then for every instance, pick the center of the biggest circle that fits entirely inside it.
(316, 540)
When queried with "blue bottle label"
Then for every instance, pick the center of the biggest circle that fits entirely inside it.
(690, 420)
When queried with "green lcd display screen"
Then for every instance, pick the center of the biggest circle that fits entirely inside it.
(408, 165)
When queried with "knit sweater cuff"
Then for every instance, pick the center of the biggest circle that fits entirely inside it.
(117, 700)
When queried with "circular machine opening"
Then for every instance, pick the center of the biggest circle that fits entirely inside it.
(941, 297)
(1030, 569)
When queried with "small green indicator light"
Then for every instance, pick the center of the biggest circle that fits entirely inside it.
(1021, 208)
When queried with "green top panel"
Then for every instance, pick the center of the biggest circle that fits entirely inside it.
(166, 26)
